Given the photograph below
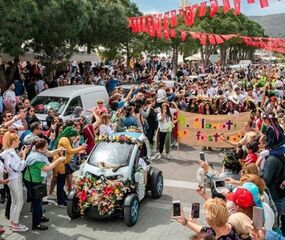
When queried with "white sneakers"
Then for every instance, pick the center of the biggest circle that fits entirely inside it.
(157, 156)
(19, 228)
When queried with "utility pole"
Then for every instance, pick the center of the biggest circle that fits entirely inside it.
(183, 3)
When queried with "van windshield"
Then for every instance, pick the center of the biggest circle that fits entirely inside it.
(43, 103)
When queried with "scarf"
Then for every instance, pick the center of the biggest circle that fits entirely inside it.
(34, 157)
(67, 132)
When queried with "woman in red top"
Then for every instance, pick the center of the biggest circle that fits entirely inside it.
(89, 133)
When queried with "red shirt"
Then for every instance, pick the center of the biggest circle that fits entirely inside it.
(89, 136)
(251, 158)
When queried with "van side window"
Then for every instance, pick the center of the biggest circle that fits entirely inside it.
(73, 103)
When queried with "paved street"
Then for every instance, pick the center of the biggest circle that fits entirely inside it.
(155, 220)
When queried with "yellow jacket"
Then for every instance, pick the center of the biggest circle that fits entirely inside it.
(69, 152)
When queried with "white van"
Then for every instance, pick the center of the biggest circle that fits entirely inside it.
(64, 99)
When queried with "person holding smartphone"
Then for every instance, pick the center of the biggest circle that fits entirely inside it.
(38, 167)
(14, 164)
(217, 216)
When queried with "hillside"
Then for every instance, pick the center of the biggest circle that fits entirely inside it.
(274, 24)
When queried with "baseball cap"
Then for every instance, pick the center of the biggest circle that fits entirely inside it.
(241, 197)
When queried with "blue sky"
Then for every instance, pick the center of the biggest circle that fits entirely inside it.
(151, 6)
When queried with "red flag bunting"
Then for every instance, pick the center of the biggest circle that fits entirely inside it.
(166, 34)
(212, 40)
(237, 7)
(218, 39)
(143, 22)
(250, 1)
(202, 9)
(264, 3)
(166, 21)
(203, 39)
(195, 35)
(214, 7)
(183, 36)
(173, 18)
(228, 37)
(227, 6)
(189, 18)
(172, 33)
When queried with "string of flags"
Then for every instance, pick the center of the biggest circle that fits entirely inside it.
(163, 21)
(163, 25)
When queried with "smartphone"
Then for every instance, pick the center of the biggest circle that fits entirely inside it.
(257, 218)
(195, 212)
(220, 186)
(176, 208)
(202, 156)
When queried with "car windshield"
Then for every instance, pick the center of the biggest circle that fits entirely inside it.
(111, 154)
(43, 103)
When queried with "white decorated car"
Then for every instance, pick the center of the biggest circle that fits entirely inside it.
(120, 159)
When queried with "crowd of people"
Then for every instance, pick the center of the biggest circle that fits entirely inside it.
(254, 171)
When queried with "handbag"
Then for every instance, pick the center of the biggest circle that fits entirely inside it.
(169, 126)
(40, 190)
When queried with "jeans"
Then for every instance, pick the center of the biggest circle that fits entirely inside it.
(8, 203)
(61, 195)
(280, 205)
(36, 204)
(161, 136)
(16, 191)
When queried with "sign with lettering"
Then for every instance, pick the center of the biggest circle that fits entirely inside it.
(206, 130)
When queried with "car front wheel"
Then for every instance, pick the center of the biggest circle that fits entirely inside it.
(72, 206)
(156, 184)
(131, 209)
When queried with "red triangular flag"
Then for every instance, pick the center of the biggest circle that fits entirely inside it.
(135, 25)
(250, 1)
(159, 18)
(227, 6)
(218, 39)
(149, 24)
(172, 33)
(212, 40)
(228, 37)
(166, 21)
(195, 35)
(155, 23)
(158, 34)
(202, 9)
(188, 20)
(264, 3)
(203, 39)
(214, 7)
(139, 24)
(166, 34)
(237, 7)
(183, 36)
(143, 22)
(173, 18)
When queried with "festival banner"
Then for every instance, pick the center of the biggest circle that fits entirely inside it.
(206, 130)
